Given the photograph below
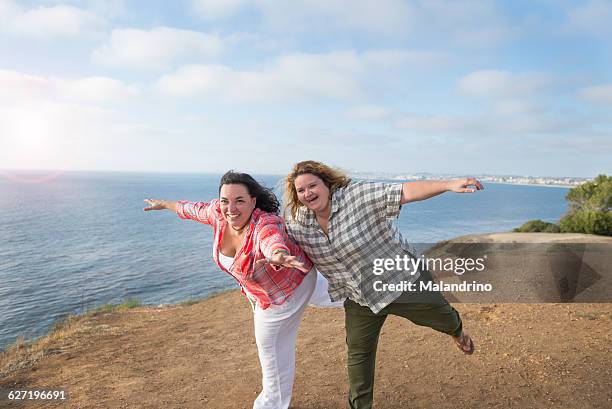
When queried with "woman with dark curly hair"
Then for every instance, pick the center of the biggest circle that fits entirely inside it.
(247, 233)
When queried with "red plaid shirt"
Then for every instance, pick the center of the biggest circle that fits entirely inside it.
(266, 233)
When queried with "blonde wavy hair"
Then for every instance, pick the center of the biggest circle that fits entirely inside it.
(332, 178)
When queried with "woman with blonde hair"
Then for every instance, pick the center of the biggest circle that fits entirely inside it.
(343, 227)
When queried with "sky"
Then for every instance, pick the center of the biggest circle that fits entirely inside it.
(461, 87)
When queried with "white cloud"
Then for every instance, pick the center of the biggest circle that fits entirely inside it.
(501, 84)
(260, 43)
(601, 94)
(471, 23)
(338, 76)
(109, 9)
(442, 124)
(47, 22)
(518, 99)
(402, 58)
(8, 8)
(95, 89)
(592, 17)
(214, 9)
(465, 22)
(21, 87)
(384, 16)
(517, 106)
(156, 48)
(16, 85)
(290, 78)
(369, 112)
(493, 125)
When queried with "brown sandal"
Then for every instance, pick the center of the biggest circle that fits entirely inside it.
(461, 343)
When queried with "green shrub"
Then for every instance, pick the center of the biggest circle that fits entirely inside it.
(552, 228)
(593, 196)
(590, 222)
(538, 226)
(590, 211)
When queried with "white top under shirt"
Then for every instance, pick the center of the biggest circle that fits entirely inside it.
(227, 262)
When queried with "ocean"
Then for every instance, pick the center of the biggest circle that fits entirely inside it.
(76, 240)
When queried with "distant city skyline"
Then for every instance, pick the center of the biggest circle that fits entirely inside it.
(395, 86)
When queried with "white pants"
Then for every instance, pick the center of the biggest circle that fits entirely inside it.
(320, 296)
(276, 330)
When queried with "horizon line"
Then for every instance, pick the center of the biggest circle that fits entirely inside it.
(351, 171)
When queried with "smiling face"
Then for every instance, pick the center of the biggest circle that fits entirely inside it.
(236, 205)
(312, 193)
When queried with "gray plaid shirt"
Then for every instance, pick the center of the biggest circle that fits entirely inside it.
(360, 230)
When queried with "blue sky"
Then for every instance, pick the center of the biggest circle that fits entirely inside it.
(520, 87)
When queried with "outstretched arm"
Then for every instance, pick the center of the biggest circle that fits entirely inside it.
(155, 204)
(421, 190)
(282, 258)
(275, 246)
(199, 211)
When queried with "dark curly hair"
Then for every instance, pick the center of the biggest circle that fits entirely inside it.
(265, 198)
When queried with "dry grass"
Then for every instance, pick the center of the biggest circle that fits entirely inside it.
(24, 353)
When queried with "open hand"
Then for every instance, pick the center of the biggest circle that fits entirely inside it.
(467, 185)
(282, 259)
(154, 204)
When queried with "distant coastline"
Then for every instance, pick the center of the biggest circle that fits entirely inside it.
(549, 181)
(530, 184)
(552, 181)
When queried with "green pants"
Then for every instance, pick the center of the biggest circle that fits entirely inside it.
(363, 328)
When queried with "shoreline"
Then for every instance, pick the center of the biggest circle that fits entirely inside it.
(534, 184)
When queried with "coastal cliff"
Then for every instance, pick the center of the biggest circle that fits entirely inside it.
(203, 355)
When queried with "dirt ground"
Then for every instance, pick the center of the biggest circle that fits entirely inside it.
(204, 356)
